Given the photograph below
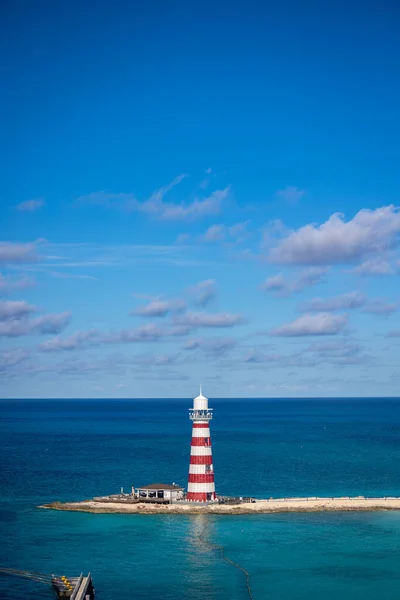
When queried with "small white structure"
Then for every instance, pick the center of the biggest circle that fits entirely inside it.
(160, 492)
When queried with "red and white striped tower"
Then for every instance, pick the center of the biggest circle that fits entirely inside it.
(201, 486)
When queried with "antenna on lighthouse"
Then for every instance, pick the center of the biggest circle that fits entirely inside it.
(200, 391)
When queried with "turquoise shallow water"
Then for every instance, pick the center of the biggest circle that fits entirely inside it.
(57, 450)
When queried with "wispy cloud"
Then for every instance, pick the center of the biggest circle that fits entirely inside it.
(290, 194)
(121, 201)
(203, 292)
(338, 241)
(351, 300)
(340, 352)
(183, 238)
(51, 323)
(15, 309)
(157, 207)
(285, 287)
(203, 319)
(307, 325)
(380, 307)
(160, 308)
(77, 340)
(59, 257)
(145, 333)
(60, 275)
(215, 233)
(155, 360)
(79, 367)
(16, 321)
(179, 327)
(30, 205)
(342, 302)
(199, 208)
(374, 266)
(226, 233)
(14, 253)
(336, 352)
(215, 346)
(8, 284)
(11, 358)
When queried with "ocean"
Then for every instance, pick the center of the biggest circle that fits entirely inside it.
(71, 450)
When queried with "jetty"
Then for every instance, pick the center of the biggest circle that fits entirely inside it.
(74, 588)
(71, 588)
(237, 507)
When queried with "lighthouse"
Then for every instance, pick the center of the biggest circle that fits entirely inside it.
(201, 486)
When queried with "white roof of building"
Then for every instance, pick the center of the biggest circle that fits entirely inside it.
(160, 486)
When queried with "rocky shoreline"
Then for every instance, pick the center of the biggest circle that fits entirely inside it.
(258, 507)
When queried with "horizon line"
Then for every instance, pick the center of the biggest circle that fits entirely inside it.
(238, 398)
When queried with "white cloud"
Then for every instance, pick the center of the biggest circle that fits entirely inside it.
(197, 209)
(145, 333)
(121, 201)
(379, 307)
(46, 324)
(83, 339)
(215, 233)
(11, 253)
(151, 360)
(338, 241)
(184, 212)
(203, 292)
(306, 278)
(159, 308)
(335, 347)
(77, 340)
(319, 324)
(182, 238)
(291, 194)
(51, 323)
(255, 357)
(220, 232)
(15, 309)
(374, 266)
(10, 284)
(345, 301)
(340, 352)
(203, 319)
(30, 205)
(157, 207)
(216, 346)
(60, 275)
(11, 358)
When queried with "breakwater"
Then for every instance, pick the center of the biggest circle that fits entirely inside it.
(270, 505)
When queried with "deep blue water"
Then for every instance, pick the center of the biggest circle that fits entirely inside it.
(76, 449)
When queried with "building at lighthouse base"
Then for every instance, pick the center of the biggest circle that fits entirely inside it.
(160, 491)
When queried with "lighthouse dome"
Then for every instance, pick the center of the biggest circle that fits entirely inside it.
(200, 402)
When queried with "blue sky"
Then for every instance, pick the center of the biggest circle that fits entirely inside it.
(200, 192)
